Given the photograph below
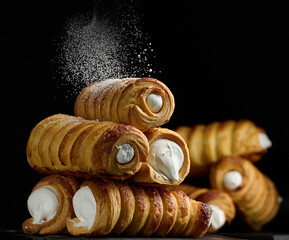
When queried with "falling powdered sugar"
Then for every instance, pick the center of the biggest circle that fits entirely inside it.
(104, 47)
(89, 52)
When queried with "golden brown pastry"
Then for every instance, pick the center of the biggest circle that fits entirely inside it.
(140, 102)
(255, 195)
(209, 143)
(50, 204)
(168, 160)
(221, 203)
(147, 211)
(74, 146)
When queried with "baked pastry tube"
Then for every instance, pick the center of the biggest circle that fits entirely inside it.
(75, 146)
(104, 207)
(50, 204)
(255, 195)
(168, 160)
(140, 102)
(221, 203)
(209, 143)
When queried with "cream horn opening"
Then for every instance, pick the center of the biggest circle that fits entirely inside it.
(218, 218)
(264, 140)
(84, 207)
(125, 153)
(166, 157)
(233, 180)
(42, 204)
(154, 102)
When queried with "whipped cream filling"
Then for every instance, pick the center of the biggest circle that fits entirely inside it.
(84, 207)
(264, 140)
(125, 153)
(233, 180)
(166, 157)
(280, 199)
(42, 204)
(154, 102)
(218, 218)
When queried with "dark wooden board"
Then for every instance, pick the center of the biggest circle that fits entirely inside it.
(19, 235)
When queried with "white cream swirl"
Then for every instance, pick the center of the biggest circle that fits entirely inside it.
(264, 140)
(154, 102)
(218, 218)
(233, 180)
(84, 206)
(42, 204)
(166, 157)
(125, 153)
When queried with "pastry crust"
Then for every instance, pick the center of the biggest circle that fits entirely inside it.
(147, 175)
(74, 146)
(211, 196)
(65, 187)
(199, 222)
(170, 210)
(209, 143)
(141, 212)
(257, 199)
(183, 214)
(156, 211)
(127, 208)
(124, 101)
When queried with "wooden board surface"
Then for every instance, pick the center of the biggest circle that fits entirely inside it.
(18, 235)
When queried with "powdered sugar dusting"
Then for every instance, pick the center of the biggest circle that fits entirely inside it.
(89, 52)
(106, 46)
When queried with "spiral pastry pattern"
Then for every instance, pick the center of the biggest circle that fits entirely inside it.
(140, 102)
(50, 204)
(221, 202)
(133, 210)
(255, 195)
(209, 143)
(74, 146)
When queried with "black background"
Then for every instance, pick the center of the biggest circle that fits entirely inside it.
(221, 59)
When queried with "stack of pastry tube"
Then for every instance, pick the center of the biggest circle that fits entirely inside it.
(115, 135)
(101, 207)
(146, 104)
(120, 139)
(226, 151)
